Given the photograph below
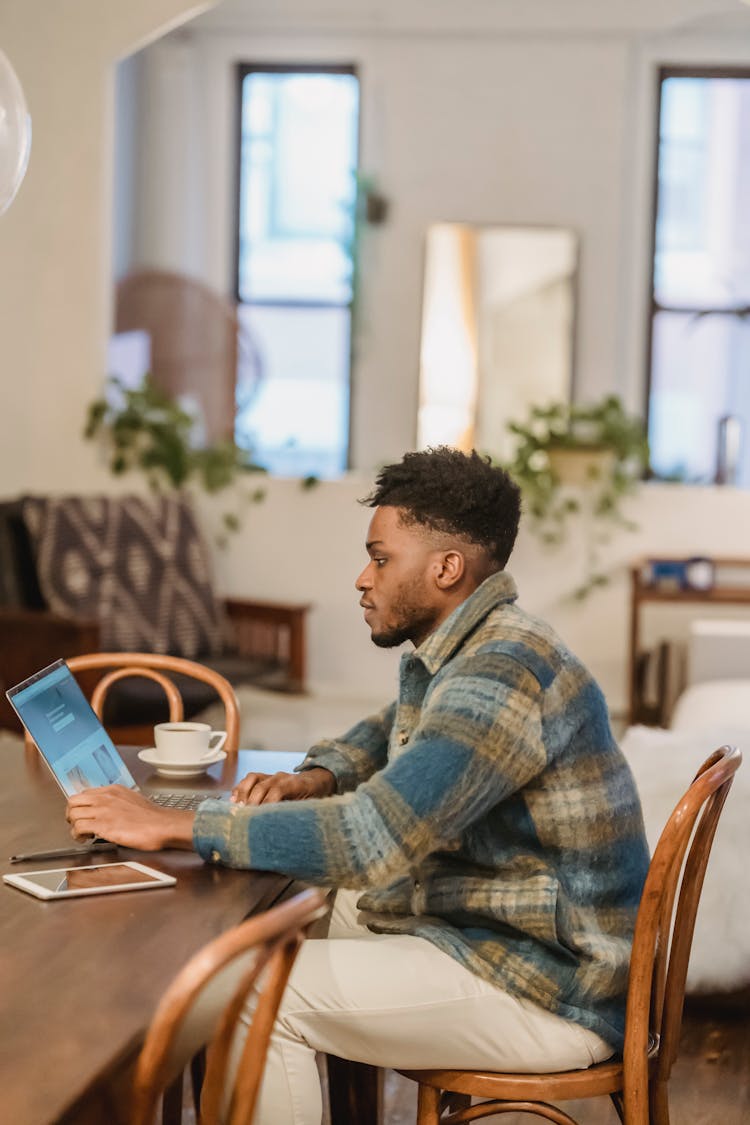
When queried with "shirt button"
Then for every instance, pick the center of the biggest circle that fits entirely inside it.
(402, 738)
(215, 857)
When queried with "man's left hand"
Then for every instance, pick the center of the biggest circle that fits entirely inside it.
(128, 818)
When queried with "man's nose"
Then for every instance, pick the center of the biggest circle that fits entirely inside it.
(363, 582)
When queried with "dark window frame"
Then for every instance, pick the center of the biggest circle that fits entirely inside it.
(242, 70)
(654, 306)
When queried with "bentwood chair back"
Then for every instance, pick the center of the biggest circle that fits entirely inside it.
(153, 666)
(637, 1082)
(202, 1007)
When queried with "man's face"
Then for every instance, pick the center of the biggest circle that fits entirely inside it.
(399, 595)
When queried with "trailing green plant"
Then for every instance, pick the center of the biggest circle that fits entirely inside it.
(613, 458)
(147, 430)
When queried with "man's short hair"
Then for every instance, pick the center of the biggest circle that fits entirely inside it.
(462, 494)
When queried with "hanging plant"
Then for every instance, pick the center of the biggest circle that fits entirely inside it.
(147, 430)
(579, 461)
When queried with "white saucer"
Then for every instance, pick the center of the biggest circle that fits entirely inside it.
(180, 769)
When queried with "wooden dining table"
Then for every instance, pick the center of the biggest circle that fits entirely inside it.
(80, 978)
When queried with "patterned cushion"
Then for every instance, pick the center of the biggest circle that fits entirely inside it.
(139, 567)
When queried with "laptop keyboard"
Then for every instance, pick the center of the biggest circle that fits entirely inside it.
(179, 800)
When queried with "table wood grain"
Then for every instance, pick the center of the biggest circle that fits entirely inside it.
(79, 979)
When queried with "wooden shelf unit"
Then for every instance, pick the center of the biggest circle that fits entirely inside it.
(642, 592)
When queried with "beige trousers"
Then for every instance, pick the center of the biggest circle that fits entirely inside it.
(398, 1001)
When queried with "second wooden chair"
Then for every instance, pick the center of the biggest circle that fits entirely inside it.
(228, 966)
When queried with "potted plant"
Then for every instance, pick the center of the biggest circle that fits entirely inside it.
(579, 461)
(146, 429)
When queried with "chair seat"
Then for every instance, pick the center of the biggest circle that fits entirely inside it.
(141, 701)
(565, 1085)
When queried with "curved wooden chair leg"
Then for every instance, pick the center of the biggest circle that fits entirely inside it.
(658, 1103)
(452, 1108)
(428, 1106)
(486, 1109)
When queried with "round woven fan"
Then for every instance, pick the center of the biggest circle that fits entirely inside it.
(200, 348)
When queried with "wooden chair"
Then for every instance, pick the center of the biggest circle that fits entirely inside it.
(637, 1082)
(232, 962)
(153, 666)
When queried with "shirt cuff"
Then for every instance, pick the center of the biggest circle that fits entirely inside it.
(220, 833)
(336, 762)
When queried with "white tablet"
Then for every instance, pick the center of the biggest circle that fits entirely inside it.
(98, 879)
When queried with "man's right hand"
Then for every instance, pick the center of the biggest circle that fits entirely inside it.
(267, 788)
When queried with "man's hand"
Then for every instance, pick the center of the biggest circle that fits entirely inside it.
(128, 818)
(267, 788)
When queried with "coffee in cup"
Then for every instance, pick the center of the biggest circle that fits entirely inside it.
(187, 742)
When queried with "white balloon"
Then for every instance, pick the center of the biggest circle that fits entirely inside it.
(15, 134)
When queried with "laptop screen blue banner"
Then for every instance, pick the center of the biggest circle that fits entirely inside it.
(70, 736)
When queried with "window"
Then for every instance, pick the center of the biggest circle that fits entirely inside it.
(699, 386)
(298, 143)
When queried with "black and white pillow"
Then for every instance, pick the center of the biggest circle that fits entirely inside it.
(139, 567)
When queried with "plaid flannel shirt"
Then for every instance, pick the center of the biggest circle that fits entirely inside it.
(488, 810)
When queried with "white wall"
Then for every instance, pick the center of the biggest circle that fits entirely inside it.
(309, 547)
(55, 241)
(535, 112)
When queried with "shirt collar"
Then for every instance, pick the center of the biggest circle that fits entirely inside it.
(441, 644)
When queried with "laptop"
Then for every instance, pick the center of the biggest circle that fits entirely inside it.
(73, 742)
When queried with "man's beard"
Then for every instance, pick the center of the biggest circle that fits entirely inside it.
(393, 637)
(413, 620)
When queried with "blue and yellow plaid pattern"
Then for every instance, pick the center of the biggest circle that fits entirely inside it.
(488, 810)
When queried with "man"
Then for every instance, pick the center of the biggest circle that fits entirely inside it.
(485, 828)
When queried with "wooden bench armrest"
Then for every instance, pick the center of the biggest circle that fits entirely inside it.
(276, 630)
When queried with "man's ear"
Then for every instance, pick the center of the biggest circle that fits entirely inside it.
(451, 571)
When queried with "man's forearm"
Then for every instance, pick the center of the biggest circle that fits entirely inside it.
(177, 827)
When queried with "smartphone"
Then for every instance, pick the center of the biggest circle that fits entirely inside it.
(97, 879)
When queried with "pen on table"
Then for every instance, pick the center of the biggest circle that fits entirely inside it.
(58, 853)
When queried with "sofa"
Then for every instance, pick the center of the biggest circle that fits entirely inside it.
(99, 573)
(707, 715)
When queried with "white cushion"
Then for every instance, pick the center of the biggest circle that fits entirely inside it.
(712, 705)
(664, 763)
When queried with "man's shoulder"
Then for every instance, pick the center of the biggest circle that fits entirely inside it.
(510, 636)
(509, 629)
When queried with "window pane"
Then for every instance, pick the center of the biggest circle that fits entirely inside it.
(699, 374)
(699, 363)
(295, 419)
(703, 222)
(298, 165)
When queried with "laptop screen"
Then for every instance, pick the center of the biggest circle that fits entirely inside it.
(59, 718)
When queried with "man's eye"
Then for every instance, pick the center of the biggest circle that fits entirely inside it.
(379, 562)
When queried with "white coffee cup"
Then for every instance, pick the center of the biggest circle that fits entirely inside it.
(187, 742)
